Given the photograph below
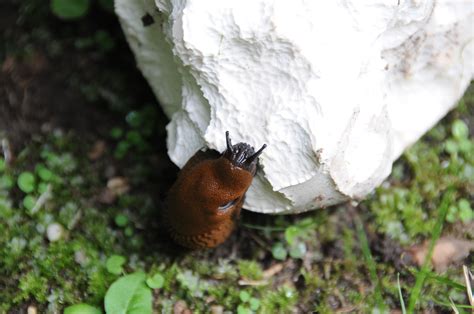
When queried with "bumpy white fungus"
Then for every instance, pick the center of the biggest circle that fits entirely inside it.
(336, 89)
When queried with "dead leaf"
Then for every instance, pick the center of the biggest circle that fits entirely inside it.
(249, 282)
(107, 197)
(180, 307)
(7, 151)
(97, 150)
(272, 270)
(217, 309)
(118, 185)
(8, 64)
(267, 274)
(446, 252)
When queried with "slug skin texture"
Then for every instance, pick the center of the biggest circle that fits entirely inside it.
(204, 203)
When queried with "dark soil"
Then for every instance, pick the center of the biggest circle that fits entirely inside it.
(44, 78)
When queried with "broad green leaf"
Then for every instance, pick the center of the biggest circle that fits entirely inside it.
(82, 309)
(129, 295)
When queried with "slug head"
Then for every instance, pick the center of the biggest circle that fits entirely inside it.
(242, 155)
(206, 198)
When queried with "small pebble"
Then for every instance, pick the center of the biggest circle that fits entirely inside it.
(32, 310)
(54, 232)
(217, 309)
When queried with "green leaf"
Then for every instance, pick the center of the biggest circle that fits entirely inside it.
(29, 202)
(128, 231)
(42, 187)
(121, 220)
(451, 146)
(129, 295)
(291, 233)
(6, 182)
(298, 250)
(465, 211)
(2, 165)
(134, 119)
(459, 129)
(26, 182)
(114, 264)
(452, 214)
(244, 296)
(279, 252)
(464, 145)
(121, 149)
(156, 282)
(242, 309)
(116, 133)
(44, 173)
(70, 9)
(82, 309)
(254, 304)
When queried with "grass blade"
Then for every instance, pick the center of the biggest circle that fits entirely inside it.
(425, 269)
(468, 277)
(370, 264)
(402, 302)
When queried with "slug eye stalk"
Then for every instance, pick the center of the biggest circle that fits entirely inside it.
(242, 155)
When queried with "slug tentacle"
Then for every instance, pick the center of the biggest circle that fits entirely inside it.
(202, 205)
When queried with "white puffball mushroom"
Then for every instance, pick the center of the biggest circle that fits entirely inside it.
(54, 232)
(337, 90)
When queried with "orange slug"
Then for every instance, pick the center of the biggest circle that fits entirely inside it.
(204, 203)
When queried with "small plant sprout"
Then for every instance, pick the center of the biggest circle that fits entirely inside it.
(115, 264)
(156, 281)
(26, 182)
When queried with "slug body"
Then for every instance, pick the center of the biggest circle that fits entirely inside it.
(203, 204)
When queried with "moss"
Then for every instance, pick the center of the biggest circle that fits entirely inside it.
(250, 269)
(280, 301)
(406, 210)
